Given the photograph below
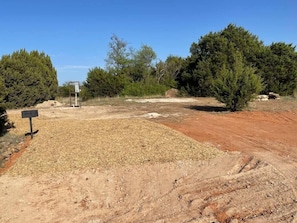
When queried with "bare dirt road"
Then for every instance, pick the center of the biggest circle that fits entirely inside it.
(250, 175)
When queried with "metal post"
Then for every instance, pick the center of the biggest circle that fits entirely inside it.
(31, 128)
(29, 114)
(76, 99)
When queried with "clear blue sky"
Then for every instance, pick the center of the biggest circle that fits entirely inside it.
(76, 33)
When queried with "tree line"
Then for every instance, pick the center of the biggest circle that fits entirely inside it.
(232, 65)
(128, 71)
(275, 65)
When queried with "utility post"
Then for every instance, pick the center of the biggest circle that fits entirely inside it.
(74, 93)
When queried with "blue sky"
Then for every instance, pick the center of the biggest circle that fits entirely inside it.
(75, 34)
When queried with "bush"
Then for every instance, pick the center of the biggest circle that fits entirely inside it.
(28, 79)
(63, 91)
(101, 83)
(4, 122)
(237, 86)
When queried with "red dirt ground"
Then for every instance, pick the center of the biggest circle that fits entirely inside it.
(244, 131)
(270, 136)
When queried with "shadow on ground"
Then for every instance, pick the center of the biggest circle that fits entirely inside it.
(207, 108)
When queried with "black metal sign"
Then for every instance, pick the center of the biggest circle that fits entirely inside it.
(30, 114)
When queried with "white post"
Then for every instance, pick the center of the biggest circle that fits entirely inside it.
(75, 100)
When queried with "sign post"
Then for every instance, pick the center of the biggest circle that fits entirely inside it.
(76, 92)
(30, 114)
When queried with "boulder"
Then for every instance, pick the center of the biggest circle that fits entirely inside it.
(273, 95)
(262, 97)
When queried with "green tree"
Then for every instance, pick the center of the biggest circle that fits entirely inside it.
(135, 71)
(5, 124)
(142, 63)
(63, 91)
(166, 72)
(118, 57)
(195, 77)
(211, 53)
(237, 85)
(243, 41)
(102, 83)
(278, 67)
(2, 92)
(28, 78)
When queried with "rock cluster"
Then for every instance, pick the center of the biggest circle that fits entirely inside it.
(264, 97)
(6, 151)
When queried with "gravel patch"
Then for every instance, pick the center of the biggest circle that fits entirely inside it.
(66, 145)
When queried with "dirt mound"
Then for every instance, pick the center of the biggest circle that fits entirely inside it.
(171, 93)
(49, 103)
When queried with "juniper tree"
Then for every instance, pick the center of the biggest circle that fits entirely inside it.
(236, 86)
(28, 78)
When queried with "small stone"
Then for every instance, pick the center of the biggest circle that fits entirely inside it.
(207, 211)
(6, 154)
(268, 195)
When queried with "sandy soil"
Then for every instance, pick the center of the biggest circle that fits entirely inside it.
(254, 179)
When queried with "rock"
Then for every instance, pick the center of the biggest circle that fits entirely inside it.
(11, 150)
(231, 211)
(262, 97)
(273, 95)
(207, 211)
(16, 149)
(6, 154)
